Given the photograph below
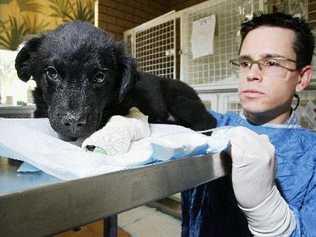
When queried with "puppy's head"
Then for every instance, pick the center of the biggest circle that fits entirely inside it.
(82, 73)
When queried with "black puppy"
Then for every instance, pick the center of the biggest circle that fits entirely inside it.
(84, 77)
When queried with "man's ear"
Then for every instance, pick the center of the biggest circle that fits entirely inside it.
(23, 61)
(305, 76)
(127, 71)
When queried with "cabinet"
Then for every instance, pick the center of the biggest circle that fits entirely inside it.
(12, 111)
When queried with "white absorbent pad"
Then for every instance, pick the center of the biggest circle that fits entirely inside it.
(36, 143)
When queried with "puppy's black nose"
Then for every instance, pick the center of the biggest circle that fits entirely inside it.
(73, 124)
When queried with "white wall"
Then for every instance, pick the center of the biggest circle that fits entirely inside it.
(10, 84)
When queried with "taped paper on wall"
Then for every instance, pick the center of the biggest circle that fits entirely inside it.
(202, 39)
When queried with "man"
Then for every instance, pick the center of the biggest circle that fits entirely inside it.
(272, 188)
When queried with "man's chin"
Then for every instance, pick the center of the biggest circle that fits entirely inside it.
(254, 107)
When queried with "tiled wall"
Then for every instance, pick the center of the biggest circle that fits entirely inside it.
(312, 12)
(117, 16)
(181, 4)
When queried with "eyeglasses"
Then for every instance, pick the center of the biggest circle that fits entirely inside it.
(270, 66)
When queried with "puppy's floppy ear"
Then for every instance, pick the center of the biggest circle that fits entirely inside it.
(128, 72)
(23, 62)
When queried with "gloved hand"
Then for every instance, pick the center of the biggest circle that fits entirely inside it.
(116, 136)
(253, 167)
(253, 178)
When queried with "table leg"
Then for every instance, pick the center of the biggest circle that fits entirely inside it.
(110, 226)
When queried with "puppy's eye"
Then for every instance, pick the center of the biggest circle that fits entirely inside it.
(99, 78)
(52, 73)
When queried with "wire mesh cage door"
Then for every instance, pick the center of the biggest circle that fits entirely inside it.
(306, 110)
(154, 45)
(214, 68)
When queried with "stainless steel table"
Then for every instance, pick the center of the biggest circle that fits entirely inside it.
(40, 205)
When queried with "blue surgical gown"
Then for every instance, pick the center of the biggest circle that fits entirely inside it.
(211, 209)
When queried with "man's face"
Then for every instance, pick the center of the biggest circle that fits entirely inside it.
(264, 91)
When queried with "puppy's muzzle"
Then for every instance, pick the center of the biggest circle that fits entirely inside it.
(73, 123)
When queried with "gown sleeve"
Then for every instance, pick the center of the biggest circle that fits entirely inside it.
(306, 214)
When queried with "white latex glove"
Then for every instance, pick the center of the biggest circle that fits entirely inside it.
(253, 170)
(116, 136)
(253, 175)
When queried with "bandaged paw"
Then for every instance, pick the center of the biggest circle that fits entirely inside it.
(119, 132)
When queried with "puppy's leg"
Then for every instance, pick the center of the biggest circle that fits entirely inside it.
(192, 113)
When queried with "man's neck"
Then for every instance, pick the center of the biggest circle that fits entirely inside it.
(262, 118)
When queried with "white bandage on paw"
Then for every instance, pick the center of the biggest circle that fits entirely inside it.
(117, 135)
